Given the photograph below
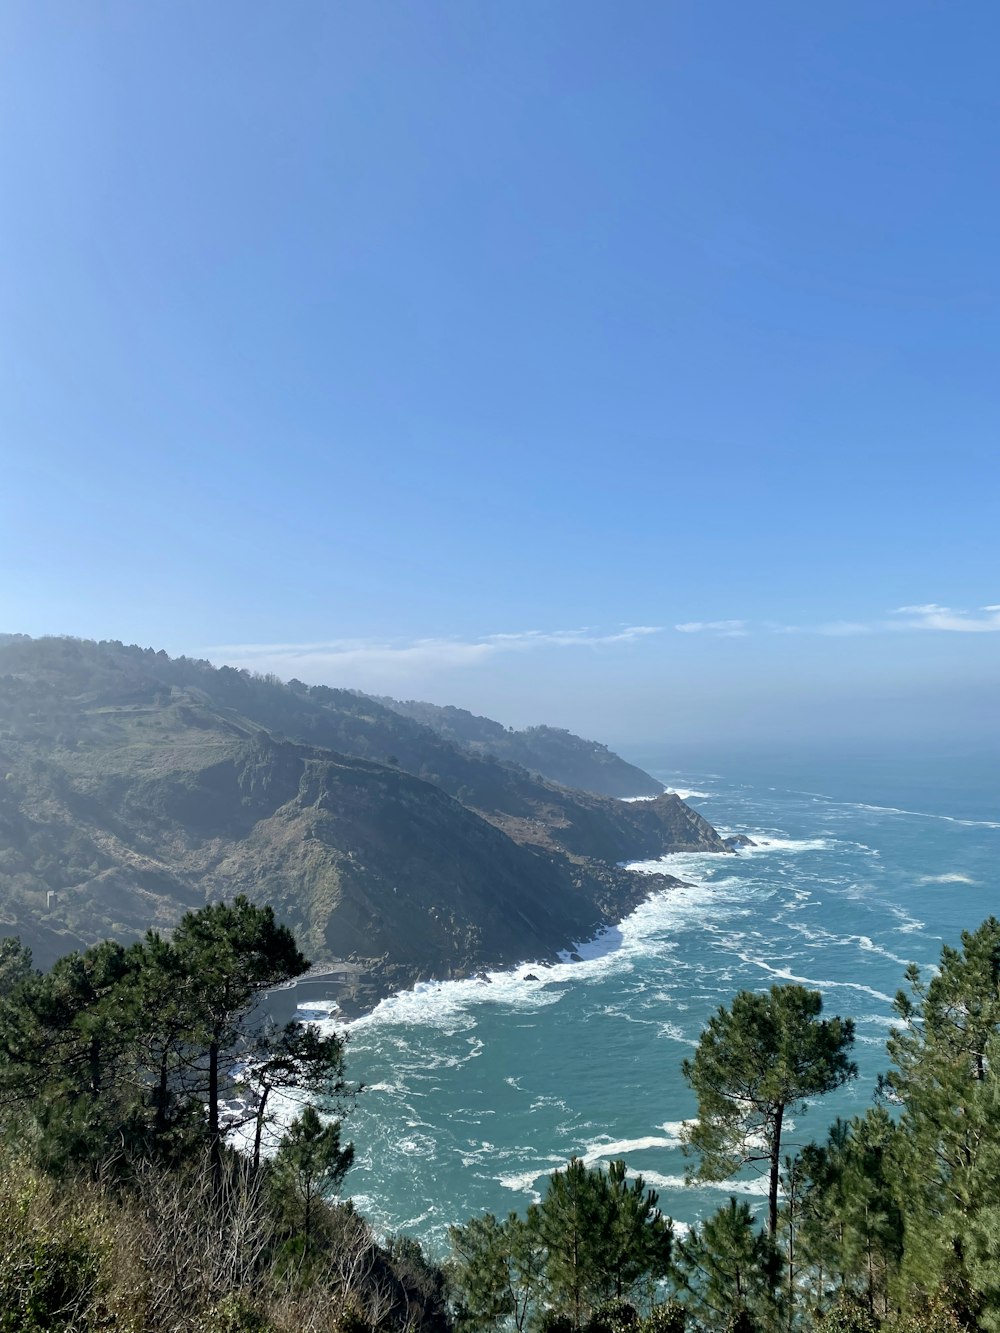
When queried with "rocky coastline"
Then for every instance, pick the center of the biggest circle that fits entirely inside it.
(352, 988)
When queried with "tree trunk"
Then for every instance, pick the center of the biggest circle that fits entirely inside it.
(258, 1132)
(772, 1193)
(791, 1241)
(214, 1137)
(160, 1122)
(95, 1068)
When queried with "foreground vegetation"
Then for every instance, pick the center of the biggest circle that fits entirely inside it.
(126, 1074)
(892, 1223)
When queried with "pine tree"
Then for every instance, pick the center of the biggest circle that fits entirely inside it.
(756, 1061)
(850, 1224)
(497, 1270)
(295, 1059)
(637, 1238)
(727, 1272)
(229, 954)
(311, 1161)
(596, 1238)
(947, 1067)
(64, 1055)
(571, 1221)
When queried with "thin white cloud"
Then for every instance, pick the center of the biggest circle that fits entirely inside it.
(391, 663)
(361, 660)
(569, 637)
(726, 629)
(920, 616)
(929, 615)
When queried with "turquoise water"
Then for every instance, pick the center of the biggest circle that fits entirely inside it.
(476, 1091)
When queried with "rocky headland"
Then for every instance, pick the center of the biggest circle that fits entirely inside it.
(134, 786)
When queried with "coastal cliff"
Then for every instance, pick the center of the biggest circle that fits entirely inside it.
(136, 786)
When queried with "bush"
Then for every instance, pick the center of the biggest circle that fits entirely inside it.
(614, 1317)
(49, 1260)
(234, 1314)
(667, 1318)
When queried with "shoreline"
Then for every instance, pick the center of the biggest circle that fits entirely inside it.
(353, 988)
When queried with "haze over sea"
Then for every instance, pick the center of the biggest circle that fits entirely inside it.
(476, 1091)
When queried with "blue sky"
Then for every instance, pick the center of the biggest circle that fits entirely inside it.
(627, 367)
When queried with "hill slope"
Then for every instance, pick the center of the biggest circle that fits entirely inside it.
(551, 752)
(135, 786)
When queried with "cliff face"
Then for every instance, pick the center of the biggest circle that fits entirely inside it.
(132, 788)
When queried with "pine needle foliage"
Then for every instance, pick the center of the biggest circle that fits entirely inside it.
(758, 1060)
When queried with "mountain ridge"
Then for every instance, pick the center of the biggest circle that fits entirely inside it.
(135, 786)
(553, 752)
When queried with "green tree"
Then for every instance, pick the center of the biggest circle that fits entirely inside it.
(755, 1062)
(229, 954)
(596, 1242)
(64, 1055)
(312, 1163)
(850, 1225)
(946, 1078)
(497, 1270)
(15, 964)
(164, 1021)
(297, 1059)
(727, 1272)
(636, 1238)
(571, 1218)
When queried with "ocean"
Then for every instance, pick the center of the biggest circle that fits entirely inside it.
(476, 1091)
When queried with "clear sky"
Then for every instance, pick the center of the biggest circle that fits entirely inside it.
(626, 366)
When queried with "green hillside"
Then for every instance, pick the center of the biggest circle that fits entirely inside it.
(551, 752)
(136, 786)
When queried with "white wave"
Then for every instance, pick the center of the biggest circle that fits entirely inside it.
(880, 1020)
(539, 1103)
(691, 794)
(675, 1128)
(524, 1181)
(418, 1145)
(870, 947)
(819, 938)
(606, 1149)
(767, 843)
(771, 842)
(952, 877)
(911, 925)
(914, 814)
(449, 1005)
(758, 1188)
(675, 1033)
(600, 1151)
(786, 974)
